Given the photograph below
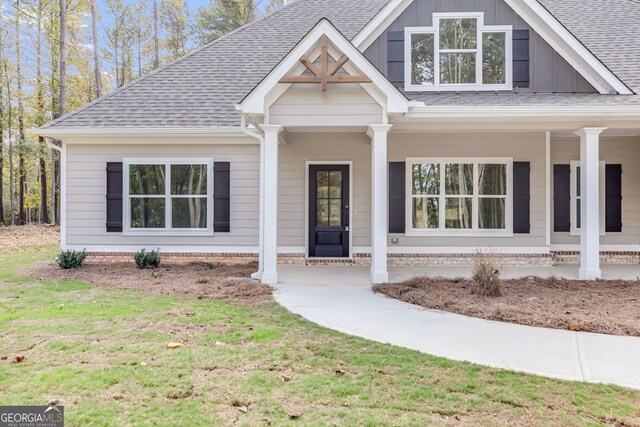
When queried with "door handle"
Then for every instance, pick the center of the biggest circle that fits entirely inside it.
(346, 228)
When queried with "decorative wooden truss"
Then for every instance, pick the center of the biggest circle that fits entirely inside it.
(324, 75)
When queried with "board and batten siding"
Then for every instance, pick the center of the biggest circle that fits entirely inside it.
(549, 72)
(86, 194)
(341, 105)
(623, 151)
(522, 147)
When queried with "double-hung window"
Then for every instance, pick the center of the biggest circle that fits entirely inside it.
(459, 196)
(170, 197)
(458, 53)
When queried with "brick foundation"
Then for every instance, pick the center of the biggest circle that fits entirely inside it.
(396, 260)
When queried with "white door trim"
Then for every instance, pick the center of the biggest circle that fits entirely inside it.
(306, 201)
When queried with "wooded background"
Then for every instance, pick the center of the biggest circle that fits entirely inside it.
(57, 55)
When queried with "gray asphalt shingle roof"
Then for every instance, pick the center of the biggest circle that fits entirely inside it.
(201, 89)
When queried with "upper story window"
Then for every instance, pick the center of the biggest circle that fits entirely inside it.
(458, 53)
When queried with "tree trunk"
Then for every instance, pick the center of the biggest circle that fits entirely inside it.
(42, 167)
(2, 77)
(22, 172)
(96, 54)
(63, 57)
(9, 128)
(156, 41)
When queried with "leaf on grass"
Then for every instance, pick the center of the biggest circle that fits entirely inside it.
(19, 359)
(295, 415)
(340, 372)
(174, 345)
(285, 379)
(3, 387)
(243, 409)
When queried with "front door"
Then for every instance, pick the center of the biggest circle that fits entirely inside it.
(329, 211)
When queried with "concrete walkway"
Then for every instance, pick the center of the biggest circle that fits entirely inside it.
(341, 298)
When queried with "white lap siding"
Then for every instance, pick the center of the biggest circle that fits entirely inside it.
(623, 151)
(86, 196)
(356, 147)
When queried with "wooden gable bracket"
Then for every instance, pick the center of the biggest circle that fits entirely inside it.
(324, 75)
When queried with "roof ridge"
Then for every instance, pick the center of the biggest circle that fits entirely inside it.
(166, 66)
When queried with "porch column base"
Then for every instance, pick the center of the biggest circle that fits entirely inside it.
(269, 278)
(590, 274)
(380, 277)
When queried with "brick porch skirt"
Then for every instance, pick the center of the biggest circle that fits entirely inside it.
(397, 260)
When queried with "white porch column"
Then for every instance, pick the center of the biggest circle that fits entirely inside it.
(590, 203)
(270, 207)
(379, 212)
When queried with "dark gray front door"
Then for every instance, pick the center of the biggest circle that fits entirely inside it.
(329, 211)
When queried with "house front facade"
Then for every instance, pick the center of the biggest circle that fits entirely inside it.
(374, 132)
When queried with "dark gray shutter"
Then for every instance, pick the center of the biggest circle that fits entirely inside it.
(613, 203)
(395, 57)
(397, 197)
(562, 198)
(521, 58)
(521, 197)
(222, 197)
(114, 197)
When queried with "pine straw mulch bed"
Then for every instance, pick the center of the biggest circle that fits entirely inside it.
(227, 282)
(28, 235)
(607, 306)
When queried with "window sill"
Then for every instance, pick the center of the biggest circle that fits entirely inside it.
(168, 233)
(459, 233)
(459, 88)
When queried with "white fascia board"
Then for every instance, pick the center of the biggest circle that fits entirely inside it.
(142, 131)
(254, 103)
(529, 112)
(379, 23)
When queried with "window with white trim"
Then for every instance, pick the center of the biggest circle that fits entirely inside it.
(458, 53)
(576, 198)
(172, 197)
(459, 196)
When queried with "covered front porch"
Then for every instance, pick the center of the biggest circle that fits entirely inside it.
(340, 147)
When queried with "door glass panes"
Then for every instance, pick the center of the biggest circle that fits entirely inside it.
(422, 59)
(329, 198)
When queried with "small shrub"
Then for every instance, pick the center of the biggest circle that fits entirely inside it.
(203, 281)
(213, 265)
(486, 276)
(71, 259)
(147, 260)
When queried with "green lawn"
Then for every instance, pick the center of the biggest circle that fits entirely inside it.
(103, 352)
